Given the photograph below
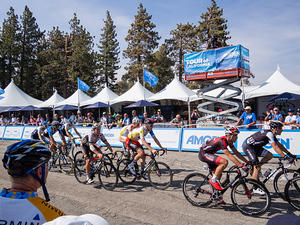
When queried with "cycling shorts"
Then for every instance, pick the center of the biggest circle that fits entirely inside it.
(133, 145)
(35, 136)
(87, 151)
(253, 153)
(211, 159)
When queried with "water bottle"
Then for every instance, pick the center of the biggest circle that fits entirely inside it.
(205, 167)
(267, 173)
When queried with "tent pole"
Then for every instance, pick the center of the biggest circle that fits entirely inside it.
(189, 111)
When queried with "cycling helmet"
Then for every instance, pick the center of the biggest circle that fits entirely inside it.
(276, 124)
(231, 130)
(136, 120)
(24, 157)
(149, 121)
(55, 123)
(44, 123)
(95, 126)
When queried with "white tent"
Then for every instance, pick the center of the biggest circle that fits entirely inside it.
(177, 91)
(135, 93)
(75, 99)
(14, 96)
(276, 84)
(52, 101)
(105, 95)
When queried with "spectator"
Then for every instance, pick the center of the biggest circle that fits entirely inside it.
(90, 118)
(63, 119)
(2, 120)
(276, 115)
(72, 117)
(79, 118)
(56, 118)
(119, 120)
(39, 120)
(48, 119)
(145, 116)
(13, 119)
(103, 120)
(110, 121)
(195, 115)
(126, 120)
(298, 119)
(290, 118)
(24, 120)
(134, 115)
(158, 117)
(249, 119)
(5, 120)
(32, 121)
(269, 114)
(177, 121)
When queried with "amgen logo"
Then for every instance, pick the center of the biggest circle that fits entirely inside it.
(195, 140)
(284, 142)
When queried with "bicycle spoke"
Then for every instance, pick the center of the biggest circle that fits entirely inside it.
(160, 175)
(108, 176)
(79, 168)
(292, 192)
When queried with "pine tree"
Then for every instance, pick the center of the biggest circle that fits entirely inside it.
(82, 59)
(142, 40)
(9, 48)
(30, 40)
(213, 28)
(109, 54)
(183, 40)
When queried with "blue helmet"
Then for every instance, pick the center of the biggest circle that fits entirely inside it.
(71, 120)
(44, 123)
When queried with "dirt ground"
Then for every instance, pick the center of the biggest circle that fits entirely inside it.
(140, 203)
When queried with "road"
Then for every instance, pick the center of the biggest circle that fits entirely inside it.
(140, 203)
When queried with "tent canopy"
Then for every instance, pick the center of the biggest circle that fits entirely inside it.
(105, 96)
(65, 107)
(286, 96)
(97, 105)
(75, 99)
(14, 96)
(135, 93)
(52, 101)
(141, 103)
(175, 90)
(275, 85)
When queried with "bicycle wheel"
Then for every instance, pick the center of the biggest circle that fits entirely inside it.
(74, 150)
(197, 190)
(124, 173)
(246, 201)
(66, 164)
(108, 176)
(292, 192)
(281, 180)
(160, 175)
(79, 168)
(52, 161)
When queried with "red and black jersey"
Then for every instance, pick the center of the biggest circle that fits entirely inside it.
(214, 145)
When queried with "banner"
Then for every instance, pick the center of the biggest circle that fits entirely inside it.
(83, 86)
(150, 78)
(1, 91)
(13, 132)
(217, 59)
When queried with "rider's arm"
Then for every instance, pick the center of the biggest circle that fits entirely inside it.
(282, 148)
(108, 145)
(239, 155)
(157, 142)
(76, 131)
(62, 137)
(145, 143)
(232, 158)
(277, 148)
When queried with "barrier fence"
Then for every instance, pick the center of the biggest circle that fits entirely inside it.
(181, 139)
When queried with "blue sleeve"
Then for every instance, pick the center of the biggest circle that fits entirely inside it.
(49, 131)
(243, 116)
(253, 117)
(151, 133)
(279, 116)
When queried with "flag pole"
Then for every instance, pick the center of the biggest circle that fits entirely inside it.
(144, 85)
(78, 109)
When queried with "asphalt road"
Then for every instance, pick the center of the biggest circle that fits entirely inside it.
(140, 203)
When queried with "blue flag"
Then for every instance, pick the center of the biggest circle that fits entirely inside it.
(83, 86)
(1, 91)
(150, 78)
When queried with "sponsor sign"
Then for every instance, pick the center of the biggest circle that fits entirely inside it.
(14, 132)
(27, 131)
(2, 129)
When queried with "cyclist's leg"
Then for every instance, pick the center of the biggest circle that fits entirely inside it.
(86, 151)
(252, 154)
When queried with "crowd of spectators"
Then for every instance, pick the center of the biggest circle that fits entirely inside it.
(247, 119)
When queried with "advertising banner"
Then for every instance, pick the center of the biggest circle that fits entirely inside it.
(27, 132)
(217, 59)
(2, 129)
(13, 132)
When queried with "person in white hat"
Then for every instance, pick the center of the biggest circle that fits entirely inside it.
(248, 117)
(86, 219)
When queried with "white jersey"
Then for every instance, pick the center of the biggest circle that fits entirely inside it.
(289, 119)
(25, 208)
(124, 132)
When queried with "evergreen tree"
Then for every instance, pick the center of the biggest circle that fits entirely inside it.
(109, 53)
(213, 28)
(142, 40)
(9, 47)
(30, 40)
(82, 59)
(183, 40)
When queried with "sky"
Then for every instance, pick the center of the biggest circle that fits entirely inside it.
(270, 29)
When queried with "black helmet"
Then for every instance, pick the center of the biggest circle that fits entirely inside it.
(23, 157)
(276, 124)
(148, 121)
(55, 123)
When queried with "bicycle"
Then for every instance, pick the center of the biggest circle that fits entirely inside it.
(107, 173)
(74, 147)
(65, 162)
(282, 173)
(292, 191)
(159, 174)
(199, 192)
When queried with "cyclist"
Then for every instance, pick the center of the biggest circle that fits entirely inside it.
(126, 130)
(253, 146)
(90, 144)
(208, 151)
(67, 127)
(49, 133)
(38, 133)
(132, 142)
(26, 163)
